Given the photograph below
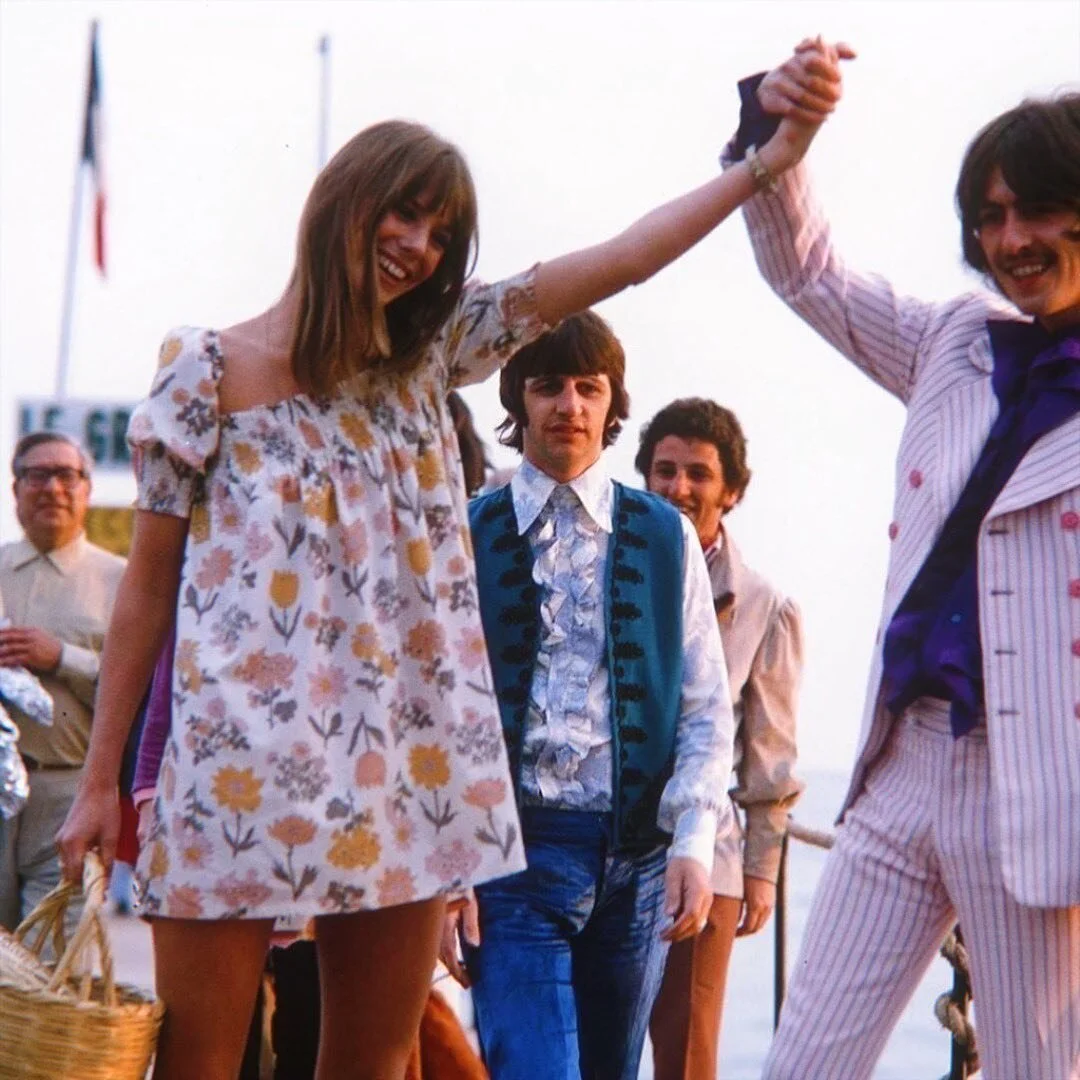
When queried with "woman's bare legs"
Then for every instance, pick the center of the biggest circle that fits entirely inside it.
(375, 969)
(207, 973)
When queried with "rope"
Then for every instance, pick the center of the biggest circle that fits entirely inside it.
(954, 950)
(949, 1012)
(952, 1014)
(953, 1019)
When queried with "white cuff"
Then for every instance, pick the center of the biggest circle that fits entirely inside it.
(695, 836)
(75, 660)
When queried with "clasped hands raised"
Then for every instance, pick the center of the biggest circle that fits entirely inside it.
(803, 91)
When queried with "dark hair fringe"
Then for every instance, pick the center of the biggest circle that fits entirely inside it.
(582, 344)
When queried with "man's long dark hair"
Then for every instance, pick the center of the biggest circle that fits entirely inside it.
(582, 344)
(1037, 147)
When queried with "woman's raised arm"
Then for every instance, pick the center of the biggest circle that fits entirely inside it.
(582, 278)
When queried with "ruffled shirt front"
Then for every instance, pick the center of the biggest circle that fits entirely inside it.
(567, 746)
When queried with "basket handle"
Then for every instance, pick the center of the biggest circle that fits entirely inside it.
(88, 933)
(48, 919)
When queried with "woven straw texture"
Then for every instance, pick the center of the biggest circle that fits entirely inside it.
(68, 1022)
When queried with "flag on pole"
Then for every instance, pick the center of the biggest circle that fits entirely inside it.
(93, 149)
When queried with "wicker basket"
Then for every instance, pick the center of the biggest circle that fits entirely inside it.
(64, 1022)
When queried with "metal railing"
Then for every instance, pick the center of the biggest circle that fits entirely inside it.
(951, 1008)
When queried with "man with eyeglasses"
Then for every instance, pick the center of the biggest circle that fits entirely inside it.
(56, 593)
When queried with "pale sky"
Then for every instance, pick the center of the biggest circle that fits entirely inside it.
(576, 118)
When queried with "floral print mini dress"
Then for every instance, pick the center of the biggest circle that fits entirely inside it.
(335, 742)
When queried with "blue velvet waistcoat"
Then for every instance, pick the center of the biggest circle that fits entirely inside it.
(644, 591)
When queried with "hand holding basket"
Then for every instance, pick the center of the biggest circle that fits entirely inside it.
(68, 1022)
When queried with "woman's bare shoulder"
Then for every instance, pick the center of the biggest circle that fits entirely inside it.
(256, 366)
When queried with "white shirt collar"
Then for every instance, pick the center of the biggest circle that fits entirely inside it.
(63, 558)
(531, 488)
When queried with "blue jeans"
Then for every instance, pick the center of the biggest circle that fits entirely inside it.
(570, 958)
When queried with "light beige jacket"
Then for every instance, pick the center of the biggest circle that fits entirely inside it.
(763, 645)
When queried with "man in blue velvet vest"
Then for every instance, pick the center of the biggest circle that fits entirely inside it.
(613, 693)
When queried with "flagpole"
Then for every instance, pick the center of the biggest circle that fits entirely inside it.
(74, 229)
(321, 151)
(74, 232)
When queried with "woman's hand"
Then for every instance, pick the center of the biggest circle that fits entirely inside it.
(807, 86)
(804, 90)
(93, 822)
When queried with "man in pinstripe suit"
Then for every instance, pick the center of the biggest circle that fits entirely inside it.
(965, 800)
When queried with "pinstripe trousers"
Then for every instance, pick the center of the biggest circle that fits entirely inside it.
(916, 852)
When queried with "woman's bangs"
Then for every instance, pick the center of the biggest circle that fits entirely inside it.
(445, 187)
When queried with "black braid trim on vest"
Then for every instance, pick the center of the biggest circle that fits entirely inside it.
(644, 623)
(635, 790)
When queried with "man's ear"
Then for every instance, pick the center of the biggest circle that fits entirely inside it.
(731, 501)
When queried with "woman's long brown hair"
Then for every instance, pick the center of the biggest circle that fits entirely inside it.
(341, 329)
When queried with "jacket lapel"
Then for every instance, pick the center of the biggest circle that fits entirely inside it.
(1050, 467)
(956, 424)
(965, 415)
(725, 571)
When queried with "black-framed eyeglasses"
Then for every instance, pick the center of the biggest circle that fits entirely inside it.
(38, 476)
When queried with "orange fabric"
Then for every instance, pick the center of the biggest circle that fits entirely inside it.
(685, 1023)
(442, 1050)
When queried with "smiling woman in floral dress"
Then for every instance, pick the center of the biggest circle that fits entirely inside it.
(335, 748)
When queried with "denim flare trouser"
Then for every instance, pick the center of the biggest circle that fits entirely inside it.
(570, 959)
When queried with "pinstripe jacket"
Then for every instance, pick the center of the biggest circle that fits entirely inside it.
(936, 358)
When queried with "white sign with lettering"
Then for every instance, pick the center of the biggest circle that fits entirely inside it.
(101, 426)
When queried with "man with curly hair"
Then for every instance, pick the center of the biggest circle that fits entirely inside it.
(693, 453)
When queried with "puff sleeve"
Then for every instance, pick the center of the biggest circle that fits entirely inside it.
(489, 325)
(174, 433)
